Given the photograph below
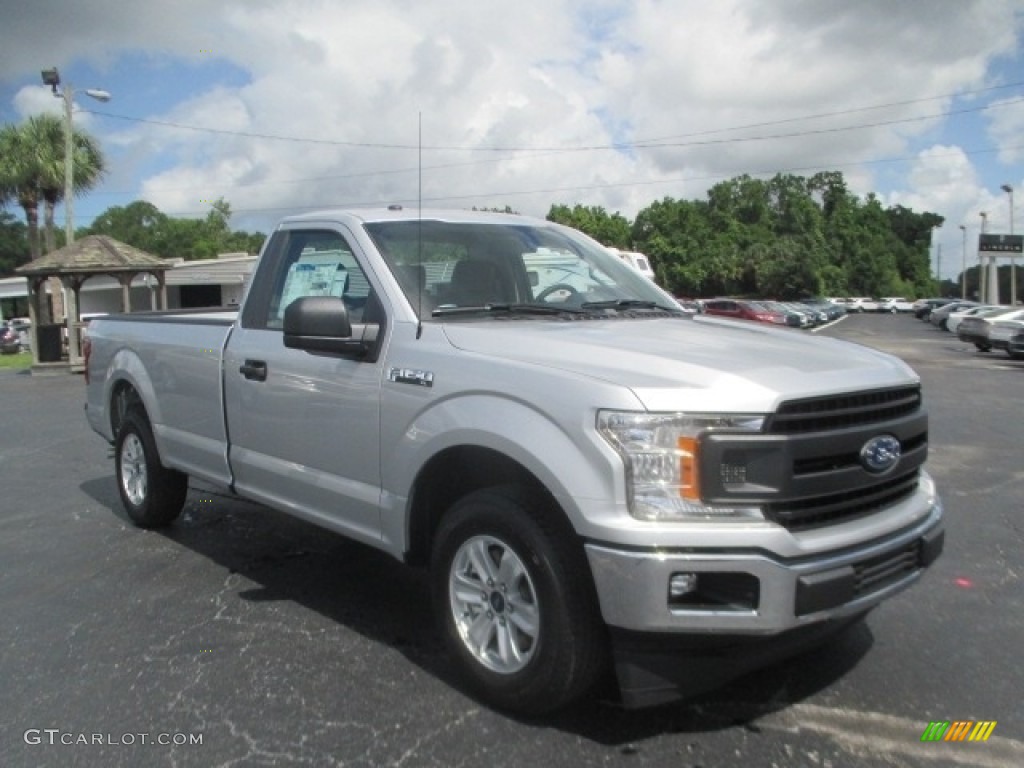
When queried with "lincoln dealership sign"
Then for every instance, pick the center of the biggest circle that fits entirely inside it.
(1004, 243)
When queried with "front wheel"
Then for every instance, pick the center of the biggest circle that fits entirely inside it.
(152, 495)
(515, 603)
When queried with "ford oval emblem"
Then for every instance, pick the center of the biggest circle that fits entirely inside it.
(880, 454)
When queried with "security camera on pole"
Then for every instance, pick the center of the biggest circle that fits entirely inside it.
(51, 77)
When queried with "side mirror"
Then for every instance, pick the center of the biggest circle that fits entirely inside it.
(320, 324)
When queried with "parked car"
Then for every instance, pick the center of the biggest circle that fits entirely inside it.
(794, 318)
(975, 330)
(923, 307)
(894, 304)
(10, 340)
(818, 316)
(940, 315)
(1002, 331)
(832, 310)
(955, 317)
(859, 304)
(740, 309)
(1015, 346)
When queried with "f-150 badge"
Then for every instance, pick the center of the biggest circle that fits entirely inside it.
(411, 376)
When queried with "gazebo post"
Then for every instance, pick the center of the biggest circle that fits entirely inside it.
(71, 286)
(34, 285)
(125, 278)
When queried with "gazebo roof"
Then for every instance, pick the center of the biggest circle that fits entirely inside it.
(94, 254)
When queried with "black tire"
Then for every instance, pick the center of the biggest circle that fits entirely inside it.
(152, 495)
(538, 565)
(983, 347)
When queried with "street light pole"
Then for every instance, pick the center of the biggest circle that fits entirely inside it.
(1013, 258)
(963, 271)
(51, 77)
(68, 94)
(982, 293)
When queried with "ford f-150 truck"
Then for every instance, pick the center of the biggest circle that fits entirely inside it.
(594, 480)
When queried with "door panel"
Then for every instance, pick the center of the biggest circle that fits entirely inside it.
(304, 427)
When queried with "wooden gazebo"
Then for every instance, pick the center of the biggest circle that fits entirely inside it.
(73, 265)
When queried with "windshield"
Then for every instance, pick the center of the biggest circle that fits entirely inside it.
(454, 268)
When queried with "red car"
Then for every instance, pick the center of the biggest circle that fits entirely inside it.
(743, 310)
(10, 339)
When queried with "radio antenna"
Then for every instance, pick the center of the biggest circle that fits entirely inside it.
(419, 229)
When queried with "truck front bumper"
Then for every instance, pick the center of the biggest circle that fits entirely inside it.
(683, 622)
(753, 591)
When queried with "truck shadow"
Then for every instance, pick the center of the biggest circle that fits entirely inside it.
(373, 595)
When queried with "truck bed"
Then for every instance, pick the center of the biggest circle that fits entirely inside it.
(173, 360)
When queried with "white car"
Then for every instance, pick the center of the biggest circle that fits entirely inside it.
(859, 304)
(893, 304)
(1002, 330)
(954, 318)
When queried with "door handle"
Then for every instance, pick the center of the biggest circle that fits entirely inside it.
(254, 370)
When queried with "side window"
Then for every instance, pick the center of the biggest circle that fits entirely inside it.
(317, 263)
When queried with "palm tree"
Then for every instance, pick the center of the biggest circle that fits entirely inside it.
(89, 165)
(32, 170)
(19, 178)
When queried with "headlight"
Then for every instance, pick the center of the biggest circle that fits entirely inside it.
(661, 453)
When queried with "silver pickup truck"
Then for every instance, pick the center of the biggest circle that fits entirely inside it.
(594, 480)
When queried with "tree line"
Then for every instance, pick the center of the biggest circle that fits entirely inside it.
(143, 225)
(786, 237)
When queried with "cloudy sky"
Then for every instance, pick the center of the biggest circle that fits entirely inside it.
(289, 105)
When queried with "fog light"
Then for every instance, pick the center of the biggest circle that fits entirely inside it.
(681, 584)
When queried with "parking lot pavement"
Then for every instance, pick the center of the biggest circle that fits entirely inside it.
(271, 642)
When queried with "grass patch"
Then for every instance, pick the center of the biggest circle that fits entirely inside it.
(17, 362)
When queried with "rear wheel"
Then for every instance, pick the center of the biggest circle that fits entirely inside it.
(515, 602)
(152, 495)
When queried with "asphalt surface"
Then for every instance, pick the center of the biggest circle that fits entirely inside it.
(271, 642)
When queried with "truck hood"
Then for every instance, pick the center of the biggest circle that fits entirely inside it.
(697, 364)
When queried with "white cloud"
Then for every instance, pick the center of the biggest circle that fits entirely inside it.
(1006, 127)
(717, 89)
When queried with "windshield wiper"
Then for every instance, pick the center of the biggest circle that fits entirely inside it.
(515, 309)
(623, 304)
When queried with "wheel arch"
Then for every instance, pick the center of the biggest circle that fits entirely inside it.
(458, 471)
(124, 397)
(131, 387)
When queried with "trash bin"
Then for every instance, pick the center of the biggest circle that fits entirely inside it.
(49, 339)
